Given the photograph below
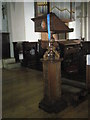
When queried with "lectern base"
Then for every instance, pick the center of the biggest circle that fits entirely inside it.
(51, 107)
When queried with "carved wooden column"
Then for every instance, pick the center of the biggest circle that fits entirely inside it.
(52, 100)
(52, 82)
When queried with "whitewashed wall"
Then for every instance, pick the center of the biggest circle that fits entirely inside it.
(88, 59)
(72, 35)
(16, 26)
(78, 20)
(88, 30)
(0, 36)
(83, 19)
(0, 16)
(20, 25)
(30, 33)
(9, 14)
(88, 21)
(17, 21)
(5, 19)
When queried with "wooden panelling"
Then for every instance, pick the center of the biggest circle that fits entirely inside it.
(31, 55)
(16, 51)
(86, 47)
(5, 45)
(52, 79)
(88, 77)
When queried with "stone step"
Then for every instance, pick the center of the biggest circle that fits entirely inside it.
(71, 89)
(12, 65)
(73, 95)
(74, 83)
(75, 91)
(0, 63)
(9, 60)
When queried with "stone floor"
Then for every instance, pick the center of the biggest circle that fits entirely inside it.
(22, 90)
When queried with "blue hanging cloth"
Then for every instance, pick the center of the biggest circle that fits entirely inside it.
(48, 26)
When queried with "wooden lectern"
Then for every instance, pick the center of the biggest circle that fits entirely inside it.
(53, 100)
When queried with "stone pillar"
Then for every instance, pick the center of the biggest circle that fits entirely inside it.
(83, 19)
(88, 22)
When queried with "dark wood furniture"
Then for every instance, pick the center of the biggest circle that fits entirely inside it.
(16, 52)
(86, 47)
(32, 55)
(18, 48)
(52, 100)
(74, 60)
(4, 37)
(70, 51)
(88, 77)
(86, 51)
